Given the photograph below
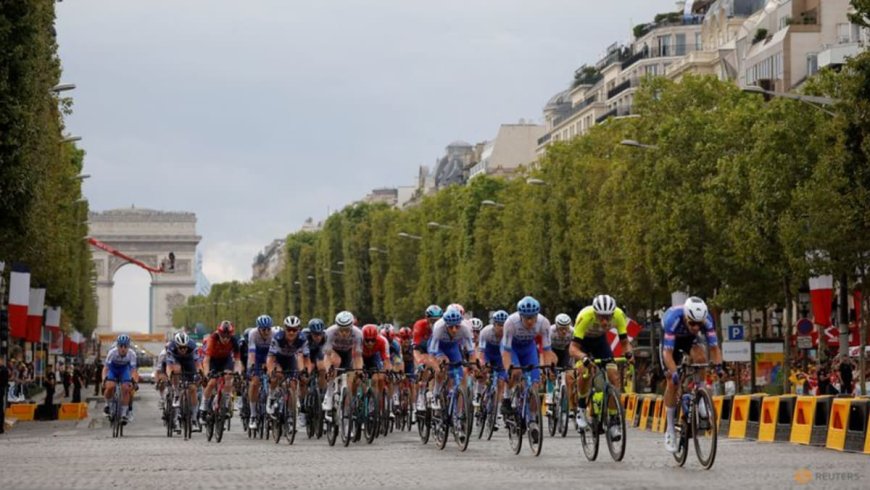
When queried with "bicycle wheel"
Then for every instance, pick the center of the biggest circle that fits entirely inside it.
(371, 420)
(424, 421)
(491, 414)
(276, 421)
(481, 415)
(290, 417)
(589, 436)
(346, 416)
(209, 425)
(308, 409)
(515, 425)
(221, 417)
(384, 414)
(332, 427)
(615, 443)
(682, 432)
(562, 425)
(535, 428)
(553, 415)
(704, 430)
(317, 414)
(441, 421)
(462, 420)
(186, 425)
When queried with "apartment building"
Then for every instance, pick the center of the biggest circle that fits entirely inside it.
(513, 147)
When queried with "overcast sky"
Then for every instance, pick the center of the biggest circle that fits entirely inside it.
(257, 114)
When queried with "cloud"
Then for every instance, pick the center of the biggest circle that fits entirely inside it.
(229, 260)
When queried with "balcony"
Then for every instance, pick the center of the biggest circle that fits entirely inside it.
(574, 110)
(837, 54)
(543, 140)
(615, 112)
(622, 87)
(664, 51)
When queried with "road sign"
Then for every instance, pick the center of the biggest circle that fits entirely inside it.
(804, 342)
(735, 332)
(804, 326)
(737, 351)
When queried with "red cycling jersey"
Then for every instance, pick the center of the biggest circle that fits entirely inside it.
(422, 332)
(378, 347)
(217, 349)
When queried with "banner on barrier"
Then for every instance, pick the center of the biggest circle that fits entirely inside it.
(736, 351)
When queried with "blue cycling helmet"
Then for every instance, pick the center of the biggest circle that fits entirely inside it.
(529, 306)
(500, 316)
(264, 322)
(434, 311)
(452, 317)
(123, 340)
(316, 325)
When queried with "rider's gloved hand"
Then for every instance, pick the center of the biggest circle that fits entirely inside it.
(675, 378)
(587, 361)
(629, 356)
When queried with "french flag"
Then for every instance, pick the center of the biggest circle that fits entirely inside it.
(35, 311)
(19, 300)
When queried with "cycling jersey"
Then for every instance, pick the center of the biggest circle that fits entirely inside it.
(259, 345)
(422, 334)
(218, 349)
(282, 346)
(519, 341)
(587, 324)
(313, 350)
(395, 351)
(175, 356)
(338, 343)
(560, 341)
(489, 346)
(120, 367)
(375, 353)
(442, 343)
(408, 358)
(675, 328)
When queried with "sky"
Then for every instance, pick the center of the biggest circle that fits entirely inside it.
(258, 114)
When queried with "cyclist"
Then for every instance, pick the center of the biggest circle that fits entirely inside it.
(181, 359)
(259, 342)
(422, 335)
(518, 345)
(590, 339)
(560, 340)
(489, 348)
(243, 349)
(682, 327)
(313, 350)
(343, 350)
(160, 375)
(476, 327)
(375, 356)
(221, 354)
(120, 367)
(390, 333)
(284, 358)
(451, 341)
(406, 337)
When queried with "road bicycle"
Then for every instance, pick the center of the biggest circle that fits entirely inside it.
(282, 421)
(485, 415)
(311, 406)
(603, 412)
(558, 411)
(219, 411)
(525, 418)
(697, 415)
(454, 415)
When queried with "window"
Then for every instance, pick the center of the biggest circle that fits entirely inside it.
(812, 64)
(698, 41)
(665, 46)
(681, 45)
(651, 70)
(844, 33)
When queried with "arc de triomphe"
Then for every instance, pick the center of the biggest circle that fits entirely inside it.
(149, 236)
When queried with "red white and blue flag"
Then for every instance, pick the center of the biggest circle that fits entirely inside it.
(19, 300)
(35, 311)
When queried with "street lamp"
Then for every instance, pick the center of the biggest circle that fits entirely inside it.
(435, 224)
(63, 87)
(812, 100)
(70, 139)
(638, 144)
(488, 202)
(82, 177)
(310, 278)
(534, 181)
(408, 235)
(377, 250)
(340, 262)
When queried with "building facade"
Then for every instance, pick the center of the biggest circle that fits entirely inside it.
(270, 262)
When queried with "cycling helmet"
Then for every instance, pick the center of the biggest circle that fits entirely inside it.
(292, 321)
(452, 317)
(500, 317)
(344, 319)
(476, 324)
(225, 328)
(458, 307)
(563, 320)
(529, 306)
(434, 312)
(387, 330)
(405, 334)
(264, 322)
(315, 325)
(123, 340)
(370, 332)
(181, 338)
(604, 304)
(695, 309)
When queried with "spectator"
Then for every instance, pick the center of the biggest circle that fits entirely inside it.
(846, 376)
(49, 384)
(66, 379)
(98, 373)
(77, 382)
(4, 385)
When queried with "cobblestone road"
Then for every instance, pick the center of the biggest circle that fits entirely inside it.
(70, 455)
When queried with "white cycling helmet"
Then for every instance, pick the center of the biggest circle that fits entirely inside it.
(563, 320)
(604, 304)
(181, 338)
(456, 306)
(476, 324)
(695, 309)
(292, 321)
(344, 319)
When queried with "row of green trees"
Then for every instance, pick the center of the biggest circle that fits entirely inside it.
(731, 197)
(42, 214)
